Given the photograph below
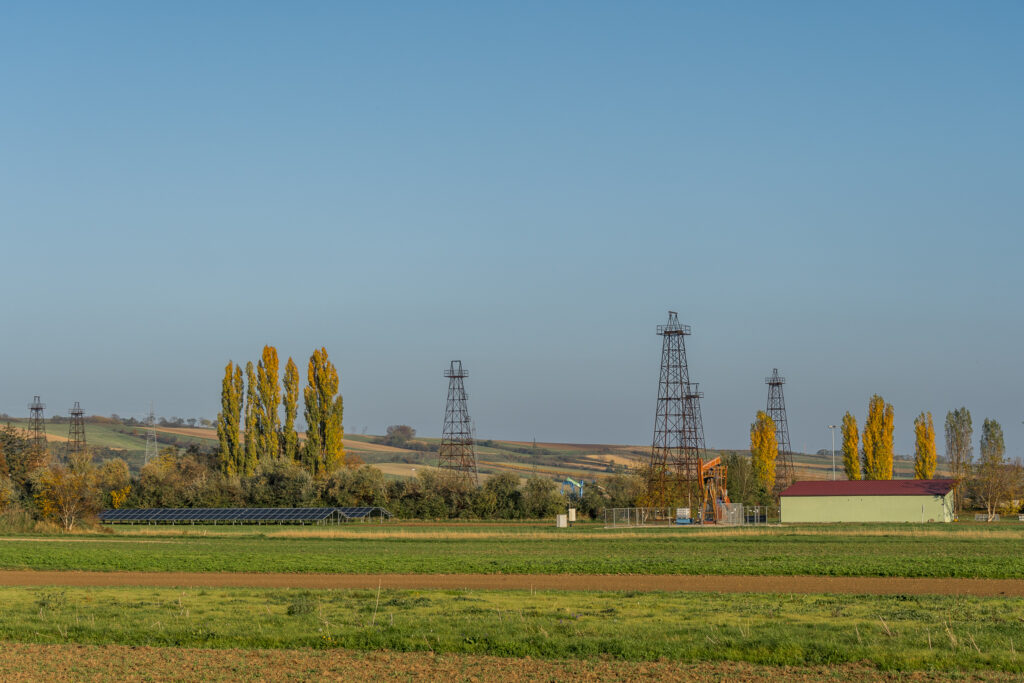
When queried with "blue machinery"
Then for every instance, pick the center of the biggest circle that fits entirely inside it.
(575, 487)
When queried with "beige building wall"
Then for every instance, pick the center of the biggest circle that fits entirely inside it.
(797, 509)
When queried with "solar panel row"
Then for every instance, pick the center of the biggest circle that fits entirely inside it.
(241, 514)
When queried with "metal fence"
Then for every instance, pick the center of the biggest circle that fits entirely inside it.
(734, 514)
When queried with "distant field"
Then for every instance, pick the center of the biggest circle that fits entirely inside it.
(555, 460)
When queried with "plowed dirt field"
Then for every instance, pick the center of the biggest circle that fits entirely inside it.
(718, 584)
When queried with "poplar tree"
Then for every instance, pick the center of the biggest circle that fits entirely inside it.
(959, 450)
(268, 389)
(851, 446)
(764, 449)
(325, 449)
(994, 478)
(229, 420)
(252, 418)
(924, 447)
(878, 443)
(289, 437)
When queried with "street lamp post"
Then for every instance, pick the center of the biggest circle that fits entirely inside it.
(833, 429)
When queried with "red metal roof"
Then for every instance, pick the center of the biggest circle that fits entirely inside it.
(892, 487)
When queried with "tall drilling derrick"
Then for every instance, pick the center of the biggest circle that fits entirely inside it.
(37, 424)
(151, 449)
(679, 469)
(456, 452)
(776, 410)
(76, 432)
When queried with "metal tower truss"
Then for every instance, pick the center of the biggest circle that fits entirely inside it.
(679, 469)
(37, 425)
(76, 432)
(784, 474)
(456, 452)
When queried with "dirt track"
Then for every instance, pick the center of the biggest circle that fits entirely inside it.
(718, 584)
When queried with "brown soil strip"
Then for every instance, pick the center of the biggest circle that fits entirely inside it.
(716, 584)
(22, 663)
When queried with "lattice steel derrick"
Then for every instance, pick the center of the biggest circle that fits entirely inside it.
(37, 424)
(76, 432)
(457, 452)
(678, 449)
(776, 410)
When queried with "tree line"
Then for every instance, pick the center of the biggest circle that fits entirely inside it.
(36, 489)
(992, 483)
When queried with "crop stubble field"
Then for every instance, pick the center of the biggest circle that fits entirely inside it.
(610, 632)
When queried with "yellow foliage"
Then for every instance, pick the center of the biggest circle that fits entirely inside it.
(268, 422)
(764, 449)
(325, 449)
(119, 496)
(924, 447)
(878, 442)
(851, 445)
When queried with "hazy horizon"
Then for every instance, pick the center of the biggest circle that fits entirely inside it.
(833, 191)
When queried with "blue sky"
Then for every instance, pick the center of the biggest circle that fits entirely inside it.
(831, 190)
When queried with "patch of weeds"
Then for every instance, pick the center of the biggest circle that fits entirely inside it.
(51, 600)
(303, 603)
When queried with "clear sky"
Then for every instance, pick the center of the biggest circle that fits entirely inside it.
(831, 189)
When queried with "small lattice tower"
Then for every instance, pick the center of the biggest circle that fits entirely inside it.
(456, 452)
(76, 432)
(151, 447)
(678, 451)
(37, 424)
(776, 410)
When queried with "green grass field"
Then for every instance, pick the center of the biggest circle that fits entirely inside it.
(864, 550)
(892, 633)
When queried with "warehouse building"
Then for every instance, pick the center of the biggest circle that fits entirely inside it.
(898, 500)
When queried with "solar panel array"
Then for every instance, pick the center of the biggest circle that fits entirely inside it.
(241, 515)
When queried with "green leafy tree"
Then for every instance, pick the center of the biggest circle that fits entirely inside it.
(252, 419)
(959, 450)
(924, 447)
(23, 460)
(289, 437)
(325, 448)
(851, 447)
(995, 479)
(229, 421)
(878, 439)
(268, 390)
(764, 449)
(541, 498)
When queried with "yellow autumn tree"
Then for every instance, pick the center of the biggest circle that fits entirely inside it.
(268, 392)
(289, 437)
(67, 493)
(252, 417)
(229, 420)
(764, 449)
(878, 439)
(851, 446)
(325, 448)
(924, 447)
